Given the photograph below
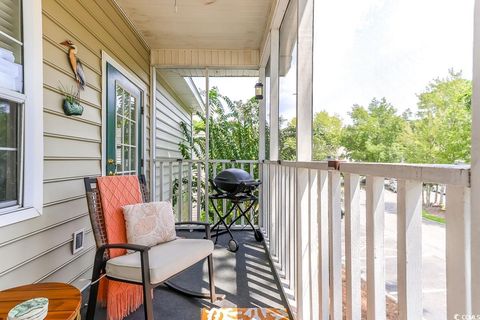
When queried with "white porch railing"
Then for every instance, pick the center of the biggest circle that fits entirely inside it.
(303, 231)
(185, 183)
(300, 215)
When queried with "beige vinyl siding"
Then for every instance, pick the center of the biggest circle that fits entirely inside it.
(39, 249)
(168, 134)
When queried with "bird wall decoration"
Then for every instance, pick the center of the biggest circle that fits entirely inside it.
(75, 63)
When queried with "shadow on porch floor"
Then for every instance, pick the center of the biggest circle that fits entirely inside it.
(246, 278)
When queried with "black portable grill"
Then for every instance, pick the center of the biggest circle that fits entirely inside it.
(236, 186)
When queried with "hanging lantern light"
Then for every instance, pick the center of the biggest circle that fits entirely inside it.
(259, 91)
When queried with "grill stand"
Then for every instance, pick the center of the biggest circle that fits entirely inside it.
(236, 201)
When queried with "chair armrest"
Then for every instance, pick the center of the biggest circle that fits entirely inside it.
(100, 253)
(197, 223)
(127, 246)
(100, 261)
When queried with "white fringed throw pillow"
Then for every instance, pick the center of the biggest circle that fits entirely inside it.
(149, 224)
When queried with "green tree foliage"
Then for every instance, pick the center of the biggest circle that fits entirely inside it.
(234, 135)
(441, 132)
(375, 134)
(288, 140)
(438, 133)
(233, 130)
(327, 135)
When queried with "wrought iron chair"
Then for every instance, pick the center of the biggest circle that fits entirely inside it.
(143, 267)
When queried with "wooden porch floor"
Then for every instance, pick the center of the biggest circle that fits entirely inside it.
(245, 277)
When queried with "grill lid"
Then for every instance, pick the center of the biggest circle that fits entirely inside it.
(235, 180)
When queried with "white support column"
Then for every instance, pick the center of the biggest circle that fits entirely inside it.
(153, 129)
(274, 134)
(323, 256)
(274, 94)
(304, 153)
(262, 119)
(458, 251)
(409, 249)
(207, 142)
(475, 169)
(335, 243)
(305, 80)
(352, 247)
(261, 149)
(303, 246)
(375, 223)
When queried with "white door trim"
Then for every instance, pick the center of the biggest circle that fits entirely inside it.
(106, 58)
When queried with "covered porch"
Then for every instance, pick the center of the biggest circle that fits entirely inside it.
(339, 241)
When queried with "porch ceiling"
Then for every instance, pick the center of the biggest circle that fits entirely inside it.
(200, 24)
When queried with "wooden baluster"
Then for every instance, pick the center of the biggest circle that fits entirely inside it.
(288, 225)
(160, 171)
(375, 223)
(214, 168)
(293, 229)
(409, 249)
(458, 251)
(314, 243)
(303, 246)
(251, 213)
(224, 201)
(190, 169)
(170, 181)
(273, 202)
(180, 191)
(199, 192)
(323, 246)
(335, 244)
(352, 247)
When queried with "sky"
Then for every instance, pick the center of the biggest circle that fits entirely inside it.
(232, 87)
(387, 48)
(376, 48)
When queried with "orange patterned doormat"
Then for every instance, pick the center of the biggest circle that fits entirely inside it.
(244, 314)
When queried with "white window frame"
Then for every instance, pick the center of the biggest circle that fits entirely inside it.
(32, 114)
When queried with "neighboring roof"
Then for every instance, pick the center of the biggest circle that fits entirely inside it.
(182, 88)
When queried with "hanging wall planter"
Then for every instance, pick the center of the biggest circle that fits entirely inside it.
(71, 104)
(72, 108)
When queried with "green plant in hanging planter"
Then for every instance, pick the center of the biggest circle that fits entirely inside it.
(71, 103)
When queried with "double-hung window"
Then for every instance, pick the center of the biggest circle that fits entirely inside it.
(21, 104)
(11, 81)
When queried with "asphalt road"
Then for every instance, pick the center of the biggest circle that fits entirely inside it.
(433, 252)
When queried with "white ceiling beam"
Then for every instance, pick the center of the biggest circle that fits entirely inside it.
(205, 58)
(274, 22)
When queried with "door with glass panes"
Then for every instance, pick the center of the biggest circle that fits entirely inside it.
(124, 125)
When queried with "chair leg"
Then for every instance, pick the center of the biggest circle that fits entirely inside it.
(213, 296)
(148, 302)
(92, 299)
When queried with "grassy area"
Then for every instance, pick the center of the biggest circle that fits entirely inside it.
(432, 217)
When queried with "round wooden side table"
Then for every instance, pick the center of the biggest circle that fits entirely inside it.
(64, 300)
